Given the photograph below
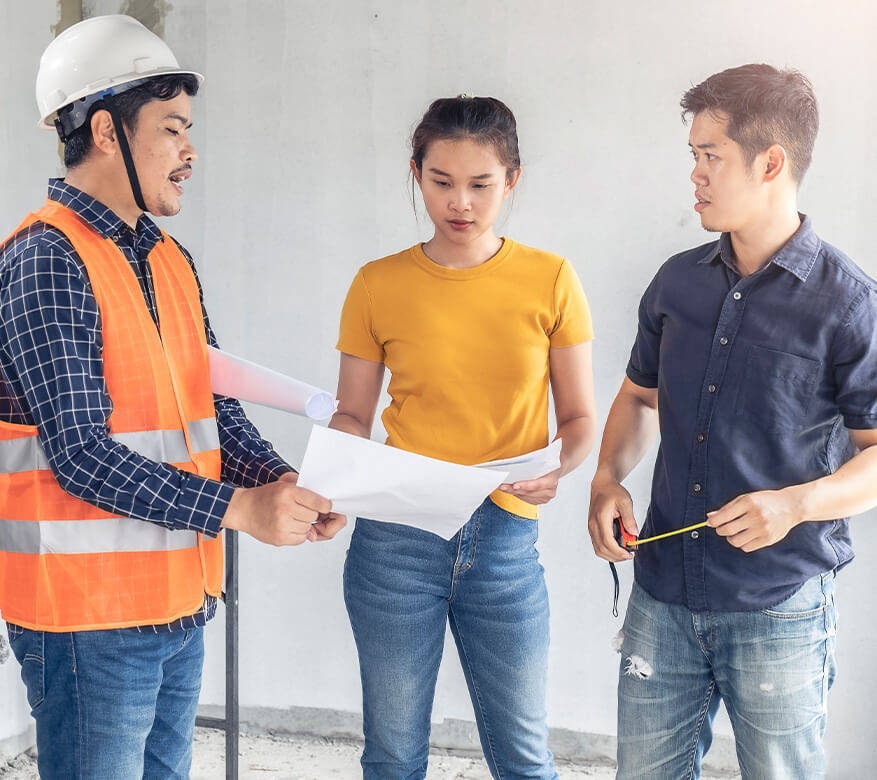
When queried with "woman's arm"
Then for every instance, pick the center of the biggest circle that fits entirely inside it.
(359, 388)
(572, 385)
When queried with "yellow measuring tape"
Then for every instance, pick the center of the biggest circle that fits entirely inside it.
(638, 542)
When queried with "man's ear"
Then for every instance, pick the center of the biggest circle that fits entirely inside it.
(775, 162)
(103, 132)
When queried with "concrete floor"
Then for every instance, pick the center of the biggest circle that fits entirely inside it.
(289, 758)
(324, 759)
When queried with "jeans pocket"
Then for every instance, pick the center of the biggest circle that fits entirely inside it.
(29, 648)
(808, 602)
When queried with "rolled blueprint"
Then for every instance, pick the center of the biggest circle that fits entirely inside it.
(238, 378)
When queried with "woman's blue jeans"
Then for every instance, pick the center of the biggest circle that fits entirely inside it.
(772, 668)
(402, 585)
(114, 704)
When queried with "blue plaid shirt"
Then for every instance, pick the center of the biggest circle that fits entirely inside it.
(52, 377)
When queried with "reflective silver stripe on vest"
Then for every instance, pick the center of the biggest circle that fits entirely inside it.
(18, 455)
(160, 446)
(204, 435)
(107, 535)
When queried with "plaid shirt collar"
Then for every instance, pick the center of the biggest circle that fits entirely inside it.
(104, 220)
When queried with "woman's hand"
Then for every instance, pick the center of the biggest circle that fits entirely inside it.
(534, 491)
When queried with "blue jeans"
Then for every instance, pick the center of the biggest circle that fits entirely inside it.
(772, 668)
(402, 586)
(112, 704)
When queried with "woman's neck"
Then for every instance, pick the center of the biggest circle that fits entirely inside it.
(467, 255)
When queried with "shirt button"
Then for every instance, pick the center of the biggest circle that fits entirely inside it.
(711, 388)
(695, 535)
(697, 487)
(700, 438)
(738, 296)
(723, 341)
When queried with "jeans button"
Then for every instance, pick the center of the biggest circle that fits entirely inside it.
(695, 535)
(697, 487)
(738, 296)
(723, 341)
(711, 388)
(700, 438)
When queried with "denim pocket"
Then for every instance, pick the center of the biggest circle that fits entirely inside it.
(776, 389)
(29, 648)
(808, 602)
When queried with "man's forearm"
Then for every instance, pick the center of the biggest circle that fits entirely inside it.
(851, 490)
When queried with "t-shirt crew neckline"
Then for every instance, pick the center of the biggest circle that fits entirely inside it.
(462, 274)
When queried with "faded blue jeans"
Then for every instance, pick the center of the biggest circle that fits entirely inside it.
(112, 704)
(402, 586)
(772, 668)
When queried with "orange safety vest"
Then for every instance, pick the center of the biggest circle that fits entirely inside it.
(64, 564)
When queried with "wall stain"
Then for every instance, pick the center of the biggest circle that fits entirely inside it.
(69, 12)
(150, 13)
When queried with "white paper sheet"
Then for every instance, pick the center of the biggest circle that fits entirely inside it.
(239, 378)
(364, 478)
(529, 466)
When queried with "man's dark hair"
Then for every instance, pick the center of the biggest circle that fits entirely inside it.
(763, 106)
(129, 104)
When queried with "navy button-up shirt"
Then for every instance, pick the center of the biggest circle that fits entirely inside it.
(758, 378)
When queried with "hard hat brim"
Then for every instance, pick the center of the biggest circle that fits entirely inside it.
(47, 122)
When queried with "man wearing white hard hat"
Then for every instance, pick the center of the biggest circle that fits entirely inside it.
(118, 466)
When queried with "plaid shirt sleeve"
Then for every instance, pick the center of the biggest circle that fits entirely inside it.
(51, 334)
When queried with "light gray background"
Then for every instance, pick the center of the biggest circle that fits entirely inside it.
(302, 132)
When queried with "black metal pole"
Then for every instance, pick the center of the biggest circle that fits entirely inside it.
(232, 704)
(230, 724)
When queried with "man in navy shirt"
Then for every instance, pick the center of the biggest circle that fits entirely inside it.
(756, 359)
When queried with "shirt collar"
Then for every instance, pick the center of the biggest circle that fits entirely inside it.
(797, 256)
(104, 220)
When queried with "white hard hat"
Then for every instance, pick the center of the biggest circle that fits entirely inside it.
(100, 56)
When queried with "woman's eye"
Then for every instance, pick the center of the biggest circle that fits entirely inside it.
(172, 132)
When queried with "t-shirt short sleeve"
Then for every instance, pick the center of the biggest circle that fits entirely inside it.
(572, 323)
(356, 333)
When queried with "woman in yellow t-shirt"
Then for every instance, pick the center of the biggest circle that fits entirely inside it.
(472, 327)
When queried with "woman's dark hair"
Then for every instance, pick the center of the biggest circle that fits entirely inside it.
(129, 103)
(763, 106)
(485, 120)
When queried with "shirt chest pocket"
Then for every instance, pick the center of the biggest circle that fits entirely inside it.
(776, 389)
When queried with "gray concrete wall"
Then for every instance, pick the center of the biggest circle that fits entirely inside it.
(302, 129)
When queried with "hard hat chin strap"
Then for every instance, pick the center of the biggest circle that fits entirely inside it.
(126, 154)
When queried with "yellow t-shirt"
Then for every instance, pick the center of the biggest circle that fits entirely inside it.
(467, 349)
